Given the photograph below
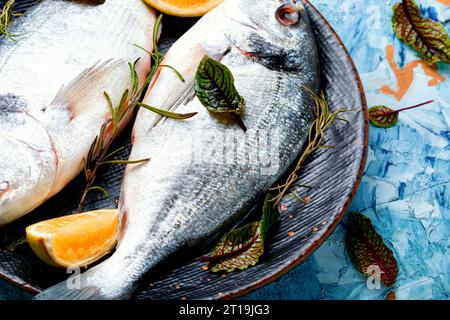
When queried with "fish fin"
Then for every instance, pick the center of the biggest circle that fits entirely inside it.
(75, 95)
(82, 287)
(61, 292)
(76, 287)
(183, 92)
(184, 96)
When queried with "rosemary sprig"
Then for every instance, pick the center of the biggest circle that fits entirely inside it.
(99, 153)
(323, 119)
(10, 243)
(168, 114)
(6, 15)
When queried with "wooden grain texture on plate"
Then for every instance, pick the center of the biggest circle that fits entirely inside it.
(333, 173)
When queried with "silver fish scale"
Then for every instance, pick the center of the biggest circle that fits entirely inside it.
(189, 190)
(188, 202)
(65, 27)
(57, 40)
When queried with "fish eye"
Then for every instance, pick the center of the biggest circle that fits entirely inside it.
(288, 15)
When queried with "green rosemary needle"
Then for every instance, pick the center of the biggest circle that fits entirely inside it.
(6, 15)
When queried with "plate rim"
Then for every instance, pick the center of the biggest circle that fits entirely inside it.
(302, 257)
(23, 285)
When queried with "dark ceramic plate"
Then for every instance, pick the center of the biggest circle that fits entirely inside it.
(334, 174)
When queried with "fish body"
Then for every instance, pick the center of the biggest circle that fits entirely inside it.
(51, 95)
(205, 172)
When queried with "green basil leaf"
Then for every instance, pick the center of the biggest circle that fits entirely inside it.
(214, 87)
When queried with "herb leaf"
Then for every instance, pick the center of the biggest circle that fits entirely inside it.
(11, 246)
(383, 117)
(239, 249)
(269, 216)
(179, 75)
(102, 190)
(426, 36)
(366, 248)
(125, 161)
(242, 247)
(214, 87)
(167, 114)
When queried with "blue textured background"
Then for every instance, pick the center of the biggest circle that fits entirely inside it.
(406, 187)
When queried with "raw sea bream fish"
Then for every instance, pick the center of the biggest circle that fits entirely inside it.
(51, 94)
(184, 196)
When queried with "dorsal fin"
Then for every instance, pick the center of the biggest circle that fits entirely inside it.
(181, 92)
(75, 95)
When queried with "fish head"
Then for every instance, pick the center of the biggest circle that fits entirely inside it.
(275, 32)
(27, 161)
(281, 18)
(19, 169)
(23, 181)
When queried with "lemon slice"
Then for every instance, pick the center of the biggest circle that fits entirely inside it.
(184, 8)
(75, 240)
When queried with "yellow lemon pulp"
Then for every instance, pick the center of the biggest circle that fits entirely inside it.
(76, 240)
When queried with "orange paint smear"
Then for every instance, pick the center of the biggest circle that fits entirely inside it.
(446, 2)
(405, 75)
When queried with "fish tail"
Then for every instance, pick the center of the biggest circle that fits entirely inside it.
(76, 287)
(61, 292)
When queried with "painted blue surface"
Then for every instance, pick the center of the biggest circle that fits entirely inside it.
(406, 187)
